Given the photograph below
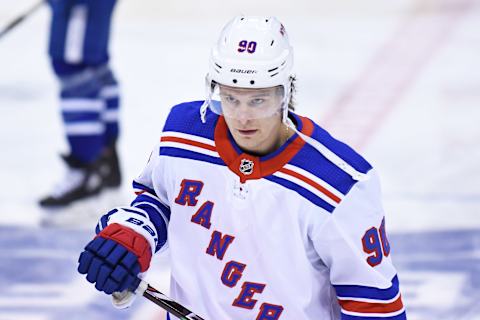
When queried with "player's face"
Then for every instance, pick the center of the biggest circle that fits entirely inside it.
(240, 103)
(254, 118)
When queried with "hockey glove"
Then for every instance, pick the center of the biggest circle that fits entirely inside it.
(114, 259)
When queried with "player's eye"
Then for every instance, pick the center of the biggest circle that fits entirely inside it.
(257, 101)
(230, 99)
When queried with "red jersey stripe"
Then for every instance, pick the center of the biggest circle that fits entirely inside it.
(369, 307)
(189, 142)
(312, 183)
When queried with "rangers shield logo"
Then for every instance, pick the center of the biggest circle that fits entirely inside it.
(246, 166)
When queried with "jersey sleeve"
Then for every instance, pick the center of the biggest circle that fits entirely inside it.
(352, 242)
(148, 213)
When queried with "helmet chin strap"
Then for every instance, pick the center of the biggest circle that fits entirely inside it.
(203, 111)
(208, 95)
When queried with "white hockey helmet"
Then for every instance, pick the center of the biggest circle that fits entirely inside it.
(251, 52)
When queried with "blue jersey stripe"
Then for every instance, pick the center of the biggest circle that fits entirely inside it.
(137, 185)
(402, 316)
(346, 291)
(187, 154)
(303, 192)
(144, 198)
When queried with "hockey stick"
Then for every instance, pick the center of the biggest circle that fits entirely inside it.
(168, 304)
(124, 299)
(15, 22)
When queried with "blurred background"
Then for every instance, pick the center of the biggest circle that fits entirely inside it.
(399, 80)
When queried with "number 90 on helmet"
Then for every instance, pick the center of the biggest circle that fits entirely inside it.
(251, 53)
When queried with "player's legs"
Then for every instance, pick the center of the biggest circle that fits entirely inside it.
(97, 36)
(81, 108)
(79, 54)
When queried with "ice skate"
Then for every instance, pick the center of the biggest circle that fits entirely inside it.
(80, 182)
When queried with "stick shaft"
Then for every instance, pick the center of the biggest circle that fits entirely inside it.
(169, 305)
(12, 24)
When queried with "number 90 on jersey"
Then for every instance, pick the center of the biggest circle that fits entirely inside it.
(375, 244)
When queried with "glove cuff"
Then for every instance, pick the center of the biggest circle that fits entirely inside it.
(133, 241)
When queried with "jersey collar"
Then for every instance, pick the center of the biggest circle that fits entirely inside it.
(249, 167)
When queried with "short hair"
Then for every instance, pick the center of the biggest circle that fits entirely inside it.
(293, 90)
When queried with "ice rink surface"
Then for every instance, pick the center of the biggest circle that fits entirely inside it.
(399, 80)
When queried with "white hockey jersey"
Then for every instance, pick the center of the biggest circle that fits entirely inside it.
(286, 236)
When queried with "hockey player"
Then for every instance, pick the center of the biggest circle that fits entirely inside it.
(266, 216)
(89, 98)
